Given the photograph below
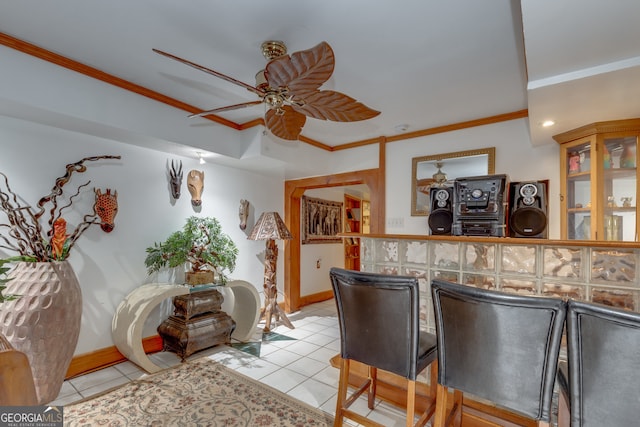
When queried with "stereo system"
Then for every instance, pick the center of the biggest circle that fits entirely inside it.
(479, 206)
(489, 205)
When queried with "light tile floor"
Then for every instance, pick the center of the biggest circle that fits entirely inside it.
(299, 367)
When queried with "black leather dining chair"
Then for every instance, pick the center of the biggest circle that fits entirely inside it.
(603, 352)
(496, 346)
(379, 327)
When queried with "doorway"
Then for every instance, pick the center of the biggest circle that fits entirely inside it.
(294, 189)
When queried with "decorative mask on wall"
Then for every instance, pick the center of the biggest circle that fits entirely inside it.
(243, 213)
(195, 184)
(106, 207)
(176, 178)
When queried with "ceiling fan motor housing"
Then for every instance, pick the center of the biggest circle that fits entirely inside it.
(273, 49)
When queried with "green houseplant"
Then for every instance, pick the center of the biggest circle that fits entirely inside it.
(201, 244)
(4, 279)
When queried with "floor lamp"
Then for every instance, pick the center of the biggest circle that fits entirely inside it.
(270, 227)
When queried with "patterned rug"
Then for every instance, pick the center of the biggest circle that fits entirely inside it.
(197, 393)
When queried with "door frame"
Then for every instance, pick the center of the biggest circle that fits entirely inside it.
(293, 191)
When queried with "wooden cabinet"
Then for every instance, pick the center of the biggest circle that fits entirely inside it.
(352, 224)
(598, 189)
(197, 323)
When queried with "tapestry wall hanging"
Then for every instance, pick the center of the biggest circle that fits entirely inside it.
(321, 221)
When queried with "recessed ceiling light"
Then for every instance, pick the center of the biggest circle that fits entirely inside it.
(402, 128)
(548, 123)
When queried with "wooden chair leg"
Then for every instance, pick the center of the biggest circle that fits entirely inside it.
(444, 417)
(431, 408)
(564, 416)
(457, 408)
(343, 384)
(433, 380)
(411, 402)
(442, 396)
(373, 384)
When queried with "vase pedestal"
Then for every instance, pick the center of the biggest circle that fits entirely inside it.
(197, 323)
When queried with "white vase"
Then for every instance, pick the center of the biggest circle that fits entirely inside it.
(44, 322)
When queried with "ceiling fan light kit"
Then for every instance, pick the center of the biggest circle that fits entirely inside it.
(289, 87)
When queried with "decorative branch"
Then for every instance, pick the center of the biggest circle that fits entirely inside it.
(24, 233)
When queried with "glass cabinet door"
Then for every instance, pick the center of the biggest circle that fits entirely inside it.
(599, 189)
(619, 189)
(579, 190)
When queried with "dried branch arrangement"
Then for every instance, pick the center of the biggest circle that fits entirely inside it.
(24, 232)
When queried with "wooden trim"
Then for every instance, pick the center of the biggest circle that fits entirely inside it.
(605, 244)
(105, 357)
(314, 298)
(315, 143)
(293, 191)
(377, 220)
(520, 114)
(628, 125)
(76, 66)
(62, 61)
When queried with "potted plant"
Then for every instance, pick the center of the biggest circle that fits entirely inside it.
(202, 246)
(49, 310)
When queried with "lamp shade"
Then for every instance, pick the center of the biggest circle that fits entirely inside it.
(270, 226)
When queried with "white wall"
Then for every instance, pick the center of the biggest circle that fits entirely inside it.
(515, 156)
(109, 266)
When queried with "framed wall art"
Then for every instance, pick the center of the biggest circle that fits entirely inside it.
(321, 221)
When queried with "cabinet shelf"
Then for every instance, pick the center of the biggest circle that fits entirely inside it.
(352, 223)
(620, 209)
(579, 176)
(620, 173)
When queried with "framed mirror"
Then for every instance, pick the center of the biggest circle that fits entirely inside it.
(445, 168)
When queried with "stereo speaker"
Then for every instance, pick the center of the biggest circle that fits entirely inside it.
(528, 209)
(441, 216)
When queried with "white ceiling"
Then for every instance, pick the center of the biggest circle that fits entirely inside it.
(421, 63)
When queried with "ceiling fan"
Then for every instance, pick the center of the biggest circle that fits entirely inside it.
(289, 87)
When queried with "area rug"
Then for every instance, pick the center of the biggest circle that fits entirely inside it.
(196, 393)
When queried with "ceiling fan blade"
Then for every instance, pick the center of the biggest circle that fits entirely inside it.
(227, 108)
(287, 125)
(212, 72)
(303, 71)
(335, 106)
